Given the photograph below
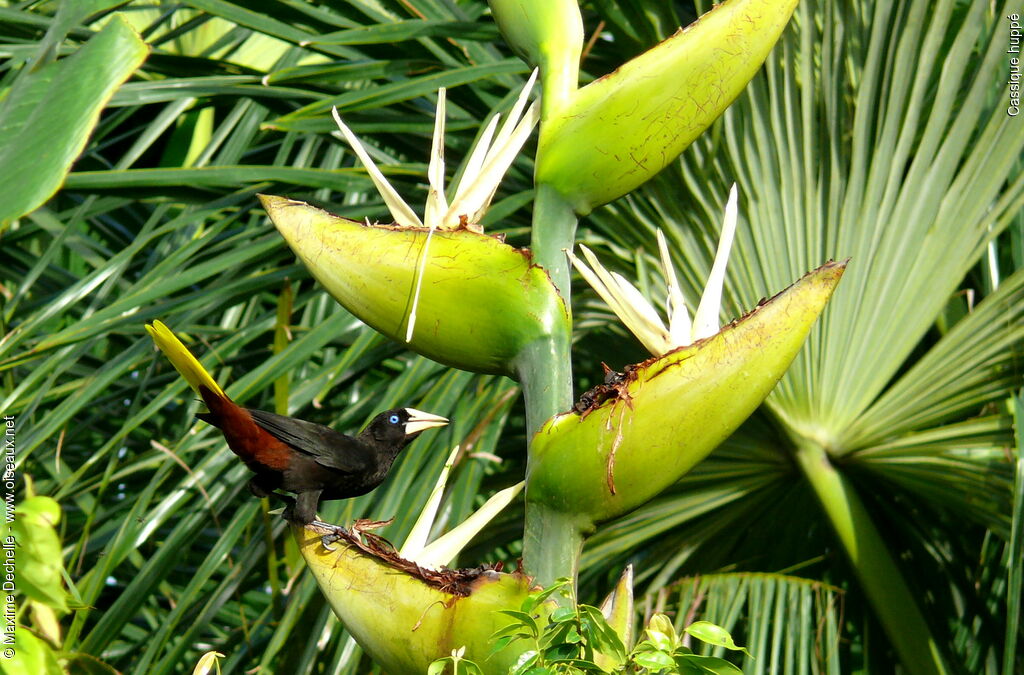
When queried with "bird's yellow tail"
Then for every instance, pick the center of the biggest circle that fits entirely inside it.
(181, 358)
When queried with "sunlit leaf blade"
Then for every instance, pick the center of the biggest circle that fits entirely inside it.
(48, 114)
(970, 365)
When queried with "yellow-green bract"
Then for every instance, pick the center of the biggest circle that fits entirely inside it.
(482, 301)
(547, 34)
(620, 130)
(674, 411)
(404, 620)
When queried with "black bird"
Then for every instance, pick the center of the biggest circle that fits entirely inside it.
(314, 462)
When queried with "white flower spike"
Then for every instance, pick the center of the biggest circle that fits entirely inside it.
(484, 170)
(443, 550)
(641, 318)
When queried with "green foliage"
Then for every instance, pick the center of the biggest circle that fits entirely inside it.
(858, 140)
(40, 568)
(874, 132)
(567, 641)
(52, 107)
(38, 585)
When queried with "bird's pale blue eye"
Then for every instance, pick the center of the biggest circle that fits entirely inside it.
(393, 419)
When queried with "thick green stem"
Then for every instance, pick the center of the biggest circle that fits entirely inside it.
(552, 542)
(553, 232)
(881, 579)
(546, 380)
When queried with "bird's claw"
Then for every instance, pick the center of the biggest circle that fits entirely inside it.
(335, 534)
(328, 539)
(359, 528)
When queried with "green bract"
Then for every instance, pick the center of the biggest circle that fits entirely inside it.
(673, 410)
(537, 28)
(620, 130)
(482, 301)
(547, 34)
(406, 619)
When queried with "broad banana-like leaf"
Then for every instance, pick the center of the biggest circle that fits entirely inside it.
(481, 301)
(627, 442)
(405, 617)
(620, 130)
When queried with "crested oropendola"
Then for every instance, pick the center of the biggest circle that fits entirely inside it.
(310, 460)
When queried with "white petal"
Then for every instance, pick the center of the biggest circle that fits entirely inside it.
(606, 288)
(400, 211)
(668, 270)
(642, 319)
(679, 326)
(512, 121)
(599, 280)
(680, 329)
(478, 155)
(628, 304)
(421, 267)
(639, 305)
(489, 161)
(444, 549)
(437, 205)
(476, 197)
(417, 539)
(705, 321)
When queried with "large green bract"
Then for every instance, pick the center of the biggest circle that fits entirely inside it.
(482, 301)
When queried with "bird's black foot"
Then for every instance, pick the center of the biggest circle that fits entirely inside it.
(327, 526)
(328, 539)
(336, 533)
(302, 511)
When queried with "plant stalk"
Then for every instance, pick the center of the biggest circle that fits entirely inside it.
(552, 542)
(872, 561)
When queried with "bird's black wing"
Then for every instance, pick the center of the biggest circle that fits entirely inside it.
(325, 445)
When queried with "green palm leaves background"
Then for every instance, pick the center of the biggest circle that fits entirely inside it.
(875, 131)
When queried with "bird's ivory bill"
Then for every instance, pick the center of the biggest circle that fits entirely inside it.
(419, 421)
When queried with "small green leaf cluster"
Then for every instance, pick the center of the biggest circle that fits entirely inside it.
(460, 666)
(573, 637)
(567, 643)
(39, 584)
(662, 649)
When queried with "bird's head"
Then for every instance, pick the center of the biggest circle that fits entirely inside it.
(401, 425)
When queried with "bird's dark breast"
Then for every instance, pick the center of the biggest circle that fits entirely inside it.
(305, 474)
